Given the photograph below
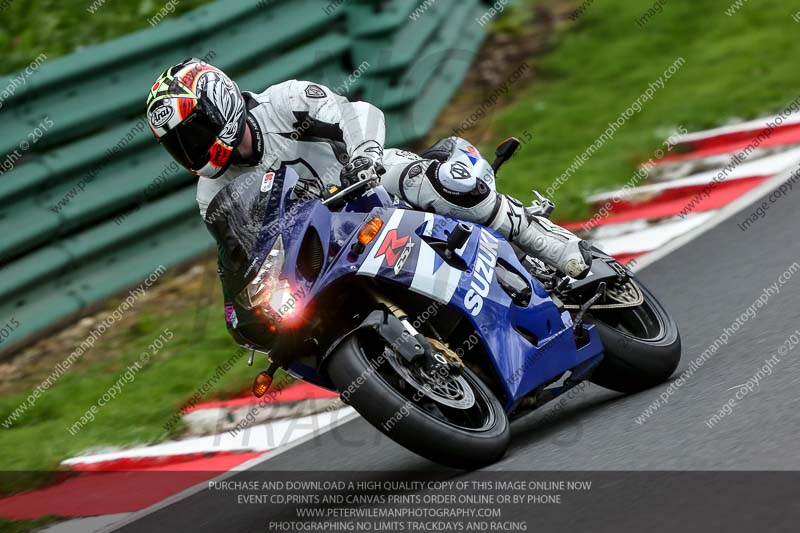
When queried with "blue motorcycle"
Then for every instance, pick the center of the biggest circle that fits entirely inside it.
(437, 331)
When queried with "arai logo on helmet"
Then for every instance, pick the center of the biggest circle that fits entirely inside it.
(483, 274)
(160, 115)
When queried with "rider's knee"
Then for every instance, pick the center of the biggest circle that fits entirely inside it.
(458, 184)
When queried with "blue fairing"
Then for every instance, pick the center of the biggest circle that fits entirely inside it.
(402, 254)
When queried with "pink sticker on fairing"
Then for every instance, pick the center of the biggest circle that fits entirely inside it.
(228, 313)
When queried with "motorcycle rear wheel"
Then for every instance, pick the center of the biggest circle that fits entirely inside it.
(464, 439)
(642, 345)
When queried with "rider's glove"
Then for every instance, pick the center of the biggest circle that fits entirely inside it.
(359, 169)
(364, 164)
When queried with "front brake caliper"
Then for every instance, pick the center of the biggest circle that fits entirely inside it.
(453, 360)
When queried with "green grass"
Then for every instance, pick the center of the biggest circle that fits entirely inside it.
(736, 67)
(40, 439)
(23, 526)
(58, 27)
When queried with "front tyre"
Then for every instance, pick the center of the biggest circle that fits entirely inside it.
(641, 344)
(456, 433)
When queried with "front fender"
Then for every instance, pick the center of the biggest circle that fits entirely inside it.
(389, 328)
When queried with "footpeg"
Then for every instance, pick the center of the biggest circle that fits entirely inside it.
(578, 326)
(541, 207)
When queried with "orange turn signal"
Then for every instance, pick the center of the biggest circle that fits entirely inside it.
(261, 384)
(370, 230)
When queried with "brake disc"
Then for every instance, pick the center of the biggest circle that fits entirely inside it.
(445, 389)
(618, 296)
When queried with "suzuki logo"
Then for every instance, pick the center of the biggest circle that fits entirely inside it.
(391, 247)
(482, 274)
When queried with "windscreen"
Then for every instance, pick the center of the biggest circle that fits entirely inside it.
(237, 215)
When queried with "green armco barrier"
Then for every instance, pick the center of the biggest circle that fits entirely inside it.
(66, 254)
(456, 41)
(95, 206)
(116, 89)
(391, 52)
(53, 300)
(366, 17)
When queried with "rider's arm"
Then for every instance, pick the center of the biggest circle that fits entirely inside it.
(315, 110)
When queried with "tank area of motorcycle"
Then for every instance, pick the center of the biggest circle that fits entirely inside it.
(400, 255)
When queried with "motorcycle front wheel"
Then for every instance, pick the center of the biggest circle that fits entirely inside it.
(458, 422)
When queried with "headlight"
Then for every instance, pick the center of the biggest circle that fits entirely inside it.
(267, 285)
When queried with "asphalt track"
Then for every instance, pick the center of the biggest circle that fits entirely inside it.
(706, 284)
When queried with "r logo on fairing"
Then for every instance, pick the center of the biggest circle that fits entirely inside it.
(483, 274)
(391, 247)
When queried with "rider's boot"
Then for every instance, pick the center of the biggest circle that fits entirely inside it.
(540, 238)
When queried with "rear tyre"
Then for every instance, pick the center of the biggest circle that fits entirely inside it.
(460, 438)
(642, 345)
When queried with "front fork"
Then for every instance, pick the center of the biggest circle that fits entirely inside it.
(435, 353)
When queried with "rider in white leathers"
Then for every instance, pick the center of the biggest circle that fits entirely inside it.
(218, 132)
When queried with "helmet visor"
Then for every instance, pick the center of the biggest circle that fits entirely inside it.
(189, 142)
